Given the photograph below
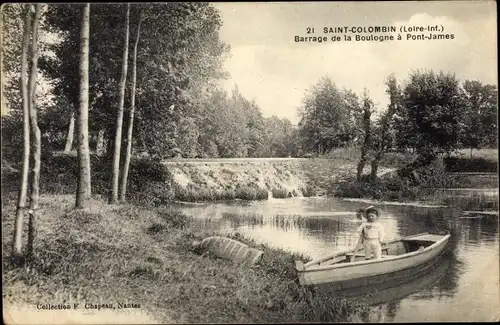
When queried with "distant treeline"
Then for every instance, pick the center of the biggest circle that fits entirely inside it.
(179, 110)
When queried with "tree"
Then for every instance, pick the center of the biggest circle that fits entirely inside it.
(434, 107)
(212, 117)
(248, 117)
(279, 137)
(173, 70)
(3, 108)
(325, 118)
(366, 145)
(480, 119)
(83, 182)
(71, 131)
(23, 187)
(131, 114)
(13, 21)
(180, 58)
(36, 135)
(383, 132)
(119, 118)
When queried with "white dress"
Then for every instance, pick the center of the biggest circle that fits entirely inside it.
(373, 234)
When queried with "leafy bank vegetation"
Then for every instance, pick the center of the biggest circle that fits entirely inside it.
(161, 273)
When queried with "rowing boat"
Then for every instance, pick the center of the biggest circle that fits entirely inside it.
(349, 269)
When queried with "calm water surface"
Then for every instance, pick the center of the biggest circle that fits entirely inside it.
(464, 286)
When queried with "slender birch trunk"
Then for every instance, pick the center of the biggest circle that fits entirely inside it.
(119, 118)
(367, 139)
(37, 139)
(131, 116)
(4, 107)
(17, 250)
(100, 143)
(83, 183)
(71, 132)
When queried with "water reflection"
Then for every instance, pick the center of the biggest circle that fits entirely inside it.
(463, 286)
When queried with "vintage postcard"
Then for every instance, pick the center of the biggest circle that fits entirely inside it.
(227, 162)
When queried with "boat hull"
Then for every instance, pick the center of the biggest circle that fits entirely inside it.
(363, 273)
(363, 286)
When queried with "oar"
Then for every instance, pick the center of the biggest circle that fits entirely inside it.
(358, 246)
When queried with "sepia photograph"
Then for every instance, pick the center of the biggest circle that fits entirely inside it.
(249, 162)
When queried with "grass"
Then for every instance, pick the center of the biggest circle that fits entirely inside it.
(396, 159)
(487, 154)
(201, 194)
(345, 155)
(352, 155)
(281, 193)
(286, 221)
(132, 254)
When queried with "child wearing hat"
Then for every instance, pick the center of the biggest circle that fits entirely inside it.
(371, 233)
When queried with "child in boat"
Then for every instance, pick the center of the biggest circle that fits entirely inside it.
(371, 233)
(360, 215)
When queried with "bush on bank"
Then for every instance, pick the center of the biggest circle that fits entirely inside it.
(149, 182)
(421, 182)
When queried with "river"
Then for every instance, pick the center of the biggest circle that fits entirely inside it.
(463, 287)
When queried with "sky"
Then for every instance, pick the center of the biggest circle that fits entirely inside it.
(269, 67)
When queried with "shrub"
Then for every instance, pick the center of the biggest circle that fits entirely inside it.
(192, 193)
(364, 188)
(308, 191)
(149, 182)
(251, 193)
(423, 181)
(280, 193)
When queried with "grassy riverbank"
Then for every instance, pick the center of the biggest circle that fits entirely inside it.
(129, 254)
(456, 172)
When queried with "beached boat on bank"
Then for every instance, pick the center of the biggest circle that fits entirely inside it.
(348, 270)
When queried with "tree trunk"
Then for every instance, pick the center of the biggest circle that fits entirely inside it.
(471, 152)
(71, 132)
(100, 143)
(37, 139)
(83, 183)
(119, 118)
(361, 165)
(367, 139)
(374, 166)
(110, 142)
(3, 107)
(17, 250)
(131, 116)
